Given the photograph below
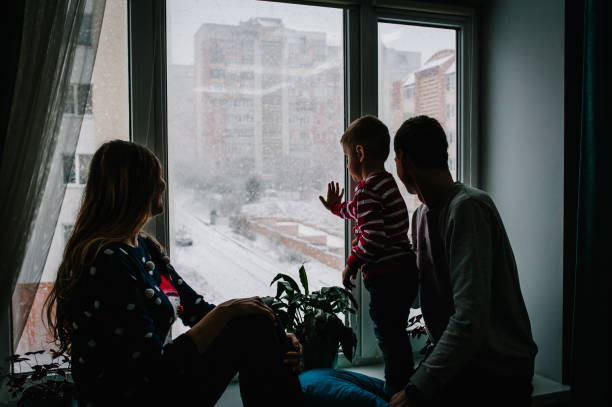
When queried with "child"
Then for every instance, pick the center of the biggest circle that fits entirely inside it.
(381, 248)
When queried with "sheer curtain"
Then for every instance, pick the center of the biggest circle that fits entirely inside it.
(51, 57)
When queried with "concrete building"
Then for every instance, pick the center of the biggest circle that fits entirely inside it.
(266, 99)
(432, 91)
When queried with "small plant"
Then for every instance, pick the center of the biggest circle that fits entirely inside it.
(39, 383)
(313, 318)
(416, 329)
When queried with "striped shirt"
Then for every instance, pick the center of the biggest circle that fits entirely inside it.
(381, 222)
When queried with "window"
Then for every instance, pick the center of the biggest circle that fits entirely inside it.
(85, 31)
(216, 157)
(429, 55)
(68, 169)
(78, 99)
(255, 110)
(67, 231)
(108, 120)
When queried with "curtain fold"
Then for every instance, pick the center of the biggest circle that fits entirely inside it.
(52, 55)
(591, 303)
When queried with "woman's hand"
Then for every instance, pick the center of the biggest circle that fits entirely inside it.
(334, 195)
(240, 307)
(294, 359)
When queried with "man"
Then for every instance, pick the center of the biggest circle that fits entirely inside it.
(470, 295)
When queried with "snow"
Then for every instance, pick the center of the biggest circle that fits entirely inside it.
(222, 264)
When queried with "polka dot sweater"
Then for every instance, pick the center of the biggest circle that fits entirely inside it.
(120, 325)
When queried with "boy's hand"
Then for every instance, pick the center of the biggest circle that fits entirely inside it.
(347, 275)
(334, 195)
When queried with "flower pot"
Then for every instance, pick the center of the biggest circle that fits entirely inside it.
(320, 353)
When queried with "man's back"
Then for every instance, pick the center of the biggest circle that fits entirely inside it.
(470, 293)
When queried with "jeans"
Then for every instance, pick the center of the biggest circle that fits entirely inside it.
(253, 348)
(391, 295)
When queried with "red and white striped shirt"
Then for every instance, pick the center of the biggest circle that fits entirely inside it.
(381, 222)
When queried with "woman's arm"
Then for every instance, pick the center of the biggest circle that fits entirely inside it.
(206, 329)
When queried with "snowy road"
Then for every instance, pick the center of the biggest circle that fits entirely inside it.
(222, 265)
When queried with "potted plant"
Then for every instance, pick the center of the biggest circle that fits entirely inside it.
(39, 384)
(314, 318)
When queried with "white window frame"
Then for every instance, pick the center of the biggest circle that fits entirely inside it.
(148, 104)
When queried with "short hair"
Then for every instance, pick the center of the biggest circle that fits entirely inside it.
(371, 133)
(422, 138)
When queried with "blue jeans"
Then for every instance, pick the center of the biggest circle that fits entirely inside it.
(391, 296)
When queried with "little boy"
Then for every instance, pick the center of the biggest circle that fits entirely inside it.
(381, 248)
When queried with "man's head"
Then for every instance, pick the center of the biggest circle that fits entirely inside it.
(420, 145)
(366, 144)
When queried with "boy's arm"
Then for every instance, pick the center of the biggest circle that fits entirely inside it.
(368, 211)
(346, 210)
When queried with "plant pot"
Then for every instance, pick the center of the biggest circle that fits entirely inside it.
(320, 354)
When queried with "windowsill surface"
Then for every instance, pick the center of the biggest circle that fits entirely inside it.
(545, 391)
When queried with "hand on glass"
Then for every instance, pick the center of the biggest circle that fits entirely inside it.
(334, 195)
(294, 359)
(347, 275)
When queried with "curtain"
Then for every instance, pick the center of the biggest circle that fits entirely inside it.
(590, 370)
(58, 46)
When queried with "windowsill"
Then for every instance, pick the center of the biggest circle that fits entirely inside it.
(545, 390)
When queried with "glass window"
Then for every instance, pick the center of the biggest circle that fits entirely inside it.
(415, 66)
(69, 103)
(248, 161)
(85, 31)
(68, 169)
(84, 160)
(84, 99)
(108, 119)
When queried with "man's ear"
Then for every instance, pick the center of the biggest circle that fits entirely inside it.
(405, 160)
(360, 152)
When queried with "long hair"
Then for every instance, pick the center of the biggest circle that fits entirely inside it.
(122, 186)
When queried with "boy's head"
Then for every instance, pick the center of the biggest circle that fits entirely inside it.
(420, 144)
(365, 143)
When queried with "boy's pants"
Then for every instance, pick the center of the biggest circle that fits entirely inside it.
(391, 295)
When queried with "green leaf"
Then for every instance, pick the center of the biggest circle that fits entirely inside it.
(289, 280)
(304, 279)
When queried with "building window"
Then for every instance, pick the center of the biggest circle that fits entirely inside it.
(68, 227)
(85, 31)
(68, 169)
(75, 170)
(451, 81)
(78, 99)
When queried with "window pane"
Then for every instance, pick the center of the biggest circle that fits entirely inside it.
(68, 168)
(84, 160)
(108, 120)
(417, 76)
(85, 31)
(69, 100)
(84, 99)
(255, 115)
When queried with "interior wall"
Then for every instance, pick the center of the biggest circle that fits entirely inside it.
(521, 157)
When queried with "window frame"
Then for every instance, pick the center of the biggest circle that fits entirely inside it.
(148, 102)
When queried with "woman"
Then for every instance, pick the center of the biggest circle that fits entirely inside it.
(116, 296)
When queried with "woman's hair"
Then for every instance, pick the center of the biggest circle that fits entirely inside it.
(122, 186)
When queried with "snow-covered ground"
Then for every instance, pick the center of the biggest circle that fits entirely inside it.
(221, 264)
